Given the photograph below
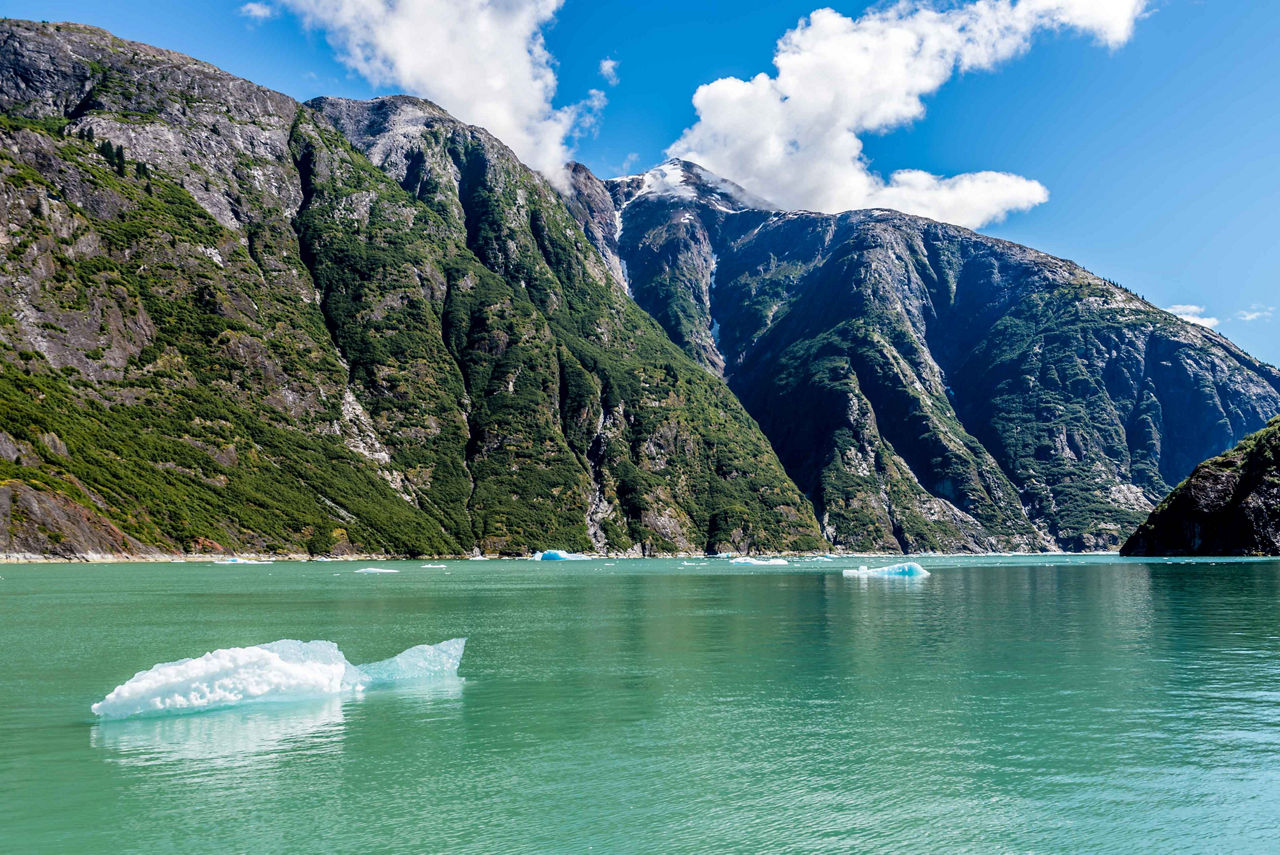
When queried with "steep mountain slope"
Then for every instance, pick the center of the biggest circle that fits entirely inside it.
(926, 386)
(225, 327)
(1229, 506)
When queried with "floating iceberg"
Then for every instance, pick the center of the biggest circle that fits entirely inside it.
(280, 671)
(235, 560)
(558, 555)
(759, 561)
(368, 570)
(424, 662)
(909, 569)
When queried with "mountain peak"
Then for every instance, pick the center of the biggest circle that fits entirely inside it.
(683, 180)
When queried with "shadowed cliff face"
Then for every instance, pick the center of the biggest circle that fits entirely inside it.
(1229, 506)
(245, 334)
(926, 386)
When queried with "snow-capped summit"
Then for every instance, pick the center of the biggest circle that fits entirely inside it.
(682, 180)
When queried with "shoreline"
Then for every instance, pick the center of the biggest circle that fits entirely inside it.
(10, 558)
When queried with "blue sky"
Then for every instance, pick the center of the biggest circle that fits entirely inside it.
(1159, 150)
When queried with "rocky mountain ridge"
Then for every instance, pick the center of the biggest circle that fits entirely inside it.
(225, 328)
(928, 387)
(236, 322)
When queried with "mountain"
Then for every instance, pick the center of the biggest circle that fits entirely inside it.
(235, 322)
(928, 387)
(1229, 506)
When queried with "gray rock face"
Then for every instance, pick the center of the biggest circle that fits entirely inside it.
(1229, 506)
(42, 524)
(927, 386)
(225, 137)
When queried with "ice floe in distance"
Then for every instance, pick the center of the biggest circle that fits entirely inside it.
(907, 569)
(558, 555)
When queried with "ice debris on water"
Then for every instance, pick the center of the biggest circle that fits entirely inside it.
(908, 569)
(759, 561)
(284, 670)
(558, 555)
(370, 570)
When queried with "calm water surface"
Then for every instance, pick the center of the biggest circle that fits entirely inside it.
(1000, 705)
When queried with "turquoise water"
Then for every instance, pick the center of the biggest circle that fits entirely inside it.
(999, 705)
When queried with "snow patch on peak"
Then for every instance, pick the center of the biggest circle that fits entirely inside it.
(670, 179)
(685, 181)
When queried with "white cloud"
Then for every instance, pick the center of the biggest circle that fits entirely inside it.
(483, 60)
(259, 11)
(609, 71)
(1194, 315)
(795, 137)
(1256, 312)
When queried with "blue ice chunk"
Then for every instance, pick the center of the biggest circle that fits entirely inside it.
(558, 555)
(908, 569)
(424, 662)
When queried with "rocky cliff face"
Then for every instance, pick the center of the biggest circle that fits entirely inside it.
(255, 324)
(926, 386)
(1229, 506)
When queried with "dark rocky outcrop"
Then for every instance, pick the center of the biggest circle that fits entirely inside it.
(1229, 506)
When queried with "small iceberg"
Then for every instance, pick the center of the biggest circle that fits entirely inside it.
(723, 555)
(906, 570)
(770, 562)
(558, 555)
(375, 570)
(281, 671)
(433, 566)
(235, 560)
(477, 558)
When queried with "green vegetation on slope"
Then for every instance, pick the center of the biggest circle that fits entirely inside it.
(178, 450)
(250, 337)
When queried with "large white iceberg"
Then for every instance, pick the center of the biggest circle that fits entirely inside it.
(908, 569)
(280, 671)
